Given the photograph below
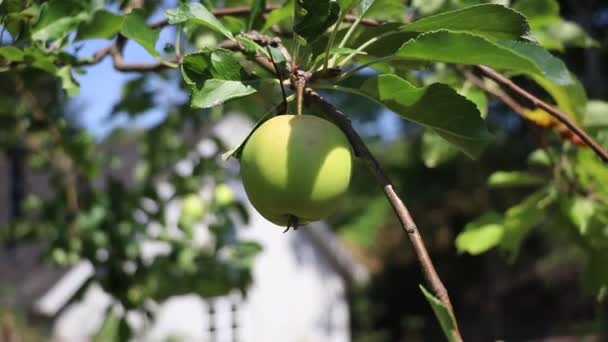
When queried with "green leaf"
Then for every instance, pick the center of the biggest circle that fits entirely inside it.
(114, 328)
(57, 18)
(481, 235)
(580, 211)
(435, 150)
(136, 98)
(279, 15)
(313, 17)
(196, 13)
(538, 12)
(570, 98)
(215, 92)
(549, 66)
(455, 47)
(436, 106)
(103, 24)
(567, 33)
(257, 9)
(345, 51)
(594, 276)
(477, 96)
(443, 315)
(521, 218)
(494, 22)
(596, 114)
(68, 83)
(11, 53)
(426, 7)
(387, 10)
(509, 179)
(362, 227)
(134, 27)
(38, 59)
(215, 76)
(363, 6)
(345, 5)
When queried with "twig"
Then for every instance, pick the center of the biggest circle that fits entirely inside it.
(556, 113)
(400, 209)
(496, 92)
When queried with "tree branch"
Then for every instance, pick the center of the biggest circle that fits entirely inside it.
(400, 209)
(496, 92)
(556, 113)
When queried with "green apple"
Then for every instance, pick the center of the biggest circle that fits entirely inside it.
(296, 168)
(192, 210)
(224, 196)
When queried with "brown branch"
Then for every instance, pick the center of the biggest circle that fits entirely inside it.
(556, 113)
(496, 92)
(400, 209)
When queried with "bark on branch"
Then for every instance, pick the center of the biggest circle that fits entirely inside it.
(399, 207)
(556, 113)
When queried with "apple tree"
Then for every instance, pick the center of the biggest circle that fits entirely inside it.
(432, 63)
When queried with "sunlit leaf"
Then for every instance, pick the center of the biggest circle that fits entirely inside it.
(134, 27)
(453, 47)
(196, 13)
(436, 106)
(509, 179)
(443, 315)
(313, 17)
(103, 24)
(494, 22)
(481, 235)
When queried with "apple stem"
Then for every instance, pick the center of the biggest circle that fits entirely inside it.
(300, 83)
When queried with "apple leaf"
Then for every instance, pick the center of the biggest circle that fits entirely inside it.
(443, 315)
(481, 235)
(196, 13)
(594, 276)
(257, 9)
(494, 22)
(134, 27)
(435, 150)
(57, 18)
(596, 114)
(313, 17)
(521, 218)
(68, 83)
(437, 106)
(279, 15)
(509, 179)
(11, 53)
(215, 76)
(103, 24)
(455, 47)
(570, 98)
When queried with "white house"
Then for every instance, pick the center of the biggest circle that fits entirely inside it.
(299, 291)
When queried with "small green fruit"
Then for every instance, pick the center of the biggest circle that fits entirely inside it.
(224, 196)
(192, 210)
(296, 167)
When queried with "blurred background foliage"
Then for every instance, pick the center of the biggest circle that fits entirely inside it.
(519, 236)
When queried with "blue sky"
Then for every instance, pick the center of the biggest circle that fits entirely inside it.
(101, 86)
